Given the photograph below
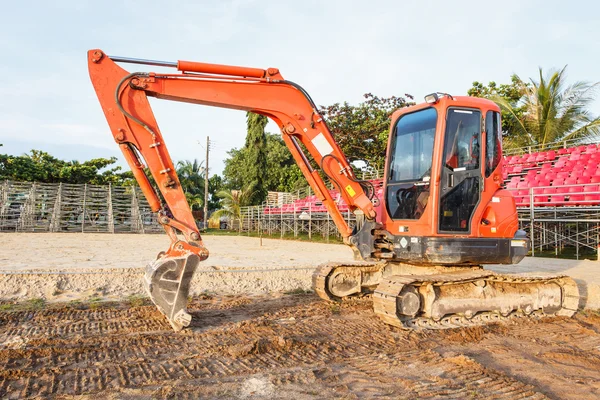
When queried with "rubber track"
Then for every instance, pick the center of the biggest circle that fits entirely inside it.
(384, 299)
(320, 275)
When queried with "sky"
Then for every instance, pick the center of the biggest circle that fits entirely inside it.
(336, 50)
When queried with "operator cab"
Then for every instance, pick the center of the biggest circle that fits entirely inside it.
(441, 140)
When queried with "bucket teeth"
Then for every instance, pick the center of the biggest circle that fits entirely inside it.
(167, 281)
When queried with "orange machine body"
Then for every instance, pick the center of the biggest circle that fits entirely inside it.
(496, 206)
(439, 222)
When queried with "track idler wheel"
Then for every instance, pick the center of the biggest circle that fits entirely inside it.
(167, 281)
(336, 281)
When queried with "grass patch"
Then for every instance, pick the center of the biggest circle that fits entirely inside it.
(297, 291)
(35, 304)
(136, 300)
(76, 305)
(94, 303)
(7, 307)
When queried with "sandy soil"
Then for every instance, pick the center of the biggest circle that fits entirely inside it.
(288, 346)
(70, 266)
(259, 343)
(63, 267)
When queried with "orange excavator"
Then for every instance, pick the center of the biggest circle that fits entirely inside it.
(421, 247)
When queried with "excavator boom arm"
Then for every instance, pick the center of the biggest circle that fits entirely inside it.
(123, 97)
(124, 100)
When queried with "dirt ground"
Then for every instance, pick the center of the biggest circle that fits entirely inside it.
(288, 347)
(268, 341)
(75, 266)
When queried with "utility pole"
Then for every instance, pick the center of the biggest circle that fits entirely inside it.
(206, 186)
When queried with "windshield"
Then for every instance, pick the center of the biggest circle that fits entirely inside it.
(413, 146)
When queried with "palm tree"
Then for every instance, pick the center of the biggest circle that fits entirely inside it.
(191, 176)
(194, 201)
(232, 202)
(551, 111)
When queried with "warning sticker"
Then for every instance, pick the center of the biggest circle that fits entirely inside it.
(350, 191)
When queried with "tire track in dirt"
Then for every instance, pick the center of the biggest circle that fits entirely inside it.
(291, 346)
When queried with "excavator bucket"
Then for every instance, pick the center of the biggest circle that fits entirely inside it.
(167, 281)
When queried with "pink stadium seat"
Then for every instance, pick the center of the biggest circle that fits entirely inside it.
(589, 173)
(541, 157)
(577, 197)
(551, 155)
(557, 200)
(595, 179)
(542, 183)
(582, 180)
(562, 175)
(546, 166)
(592, 195)
(531, 174)
(562, 189)
(571, 181)
(557, 182)
(562, 151)
(574, 157)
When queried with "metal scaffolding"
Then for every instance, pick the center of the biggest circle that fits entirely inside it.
(60, 207)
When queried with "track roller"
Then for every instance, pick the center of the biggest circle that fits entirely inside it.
(467, 298)
(336, 281)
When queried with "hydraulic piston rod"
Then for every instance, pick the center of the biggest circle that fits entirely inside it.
(192, 66)
(144, 62)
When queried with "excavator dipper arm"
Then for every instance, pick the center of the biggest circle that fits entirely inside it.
(124, 100)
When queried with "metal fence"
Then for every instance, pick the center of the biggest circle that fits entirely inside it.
(297, 221)
(60, 207)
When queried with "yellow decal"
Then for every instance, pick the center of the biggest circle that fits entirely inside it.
(448, 213)
(350, 191)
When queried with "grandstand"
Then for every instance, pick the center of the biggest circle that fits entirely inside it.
(556, 189)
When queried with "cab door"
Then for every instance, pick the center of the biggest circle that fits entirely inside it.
(461, 180)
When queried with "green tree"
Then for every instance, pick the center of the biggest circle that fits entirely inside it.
(282, 173)
(232, 203)
(39, 166)
(215, 184)
(255, 155)
(191, 177)
(549, 110)
(511, 93)
(362, 131)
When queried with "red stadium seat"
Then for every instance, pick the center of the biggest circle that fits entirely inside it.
(557, 200)
(582, 180)
(557, 182)
(577, 197)
(562, 151)
(574, 157)
(562, 175)
(571, 181)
